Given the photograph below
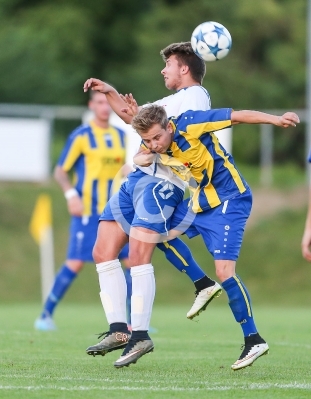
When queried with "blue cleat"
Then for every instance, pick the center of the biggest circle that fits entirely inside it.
(45, 324)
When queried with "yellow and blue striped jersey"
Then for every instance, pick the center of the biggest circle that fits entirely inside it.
(197, 156)
(96, 156)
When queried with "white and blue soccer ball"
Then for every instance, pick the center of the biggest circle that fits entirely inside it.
(211, 41)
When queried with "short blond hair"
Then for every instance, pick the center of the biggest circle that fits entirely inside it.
(149, 116)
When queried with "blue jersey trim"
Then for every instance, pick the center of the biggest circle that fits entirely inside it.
(121, 135)
(94, 197)
(80, 173)
(91, 138)
(183, 144)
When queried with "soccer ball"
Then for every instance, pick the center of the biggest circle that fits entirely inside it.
(211, 41)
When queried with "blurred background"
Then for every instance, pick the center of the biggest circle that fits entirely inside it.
(49, 48)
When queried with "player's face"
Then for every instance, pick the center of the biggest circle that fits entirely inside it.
(172, 74)
(158, 139)
(100, 106)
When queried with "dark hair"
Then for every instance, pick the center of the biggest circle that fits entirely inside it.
(186, 56)
(148, 116)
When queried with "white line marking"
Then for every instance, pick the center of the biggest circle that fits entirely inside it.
(159, 389)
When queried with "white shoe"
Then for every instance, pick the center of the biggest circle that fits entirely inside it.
(45, 324)
(203, 298)
(250, 354)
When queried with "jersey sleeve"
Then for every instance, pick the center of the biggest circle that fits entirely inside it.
(71, 151)
(197, 123)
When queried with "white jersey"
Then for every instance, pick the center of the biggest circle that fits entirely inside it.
(193, 98)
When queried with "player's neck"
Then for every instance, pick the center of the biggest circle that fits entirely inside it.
(186, 84)
(101, 123)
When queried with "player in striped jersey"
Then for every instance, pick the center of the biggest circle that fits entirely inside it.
(221, 200)
(95, 152)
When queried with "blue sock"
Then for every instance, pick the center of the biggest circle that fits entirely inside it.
(240, 304)
(128, 279)
(177, 252)
(63, 280)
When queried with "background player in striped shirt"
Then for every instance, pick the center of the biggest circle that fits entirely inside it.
(95, 152)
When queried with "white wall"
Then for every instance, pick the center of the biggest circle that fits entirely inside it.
(24, 149)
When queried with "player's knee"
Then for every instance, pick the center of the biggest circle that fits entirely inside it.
(138, 256)
(224, 269)
(223, 274)
(96, 254)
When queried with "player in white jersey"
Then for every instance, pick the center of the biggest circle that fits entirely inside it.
(183, 72)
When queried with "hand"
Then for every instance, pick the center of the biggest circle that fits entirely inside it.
(305, 244)
(95, 84)
(144, 158)
(75, 206)
(132, 107)
(288, 119)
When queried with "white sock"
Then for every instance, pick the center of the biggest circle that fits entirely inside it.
(143, 292)
(112, 290)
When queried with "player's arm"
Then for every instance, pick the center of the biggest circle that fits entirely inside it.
(114, 98)
(256, 117)
(306, 238)
(74, 202)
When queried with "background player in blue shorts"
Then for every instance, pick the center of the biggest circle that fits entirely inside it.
(221, 199)
(96, 153)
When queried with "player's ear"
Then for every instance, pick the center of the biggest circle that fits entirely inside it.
(169, 128)
(184, 69)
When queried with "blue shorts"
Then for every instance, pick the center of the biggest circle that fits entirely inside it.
(82, 237)
(144, 201)
(221, 228)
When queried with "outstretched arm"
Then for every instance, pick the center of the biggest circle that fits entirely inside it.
(306, 238)
(256, 117)
(114, 98)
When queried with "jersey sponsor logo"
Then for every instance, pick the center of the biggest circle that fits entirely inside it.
(166, 191)
(188, 165)
(111, 161)
(138, 217)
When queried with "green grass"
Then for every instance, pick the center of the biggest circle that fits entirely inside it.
(190, 358)
(283, 176)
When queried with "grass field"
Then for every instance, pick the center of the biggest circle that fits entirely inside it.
(190, 358)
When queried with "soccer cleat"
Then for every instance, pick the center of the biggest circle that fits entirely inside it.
(134, 350)
(254, 347)
(203, 298)
(45, 324)
(111, 341)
